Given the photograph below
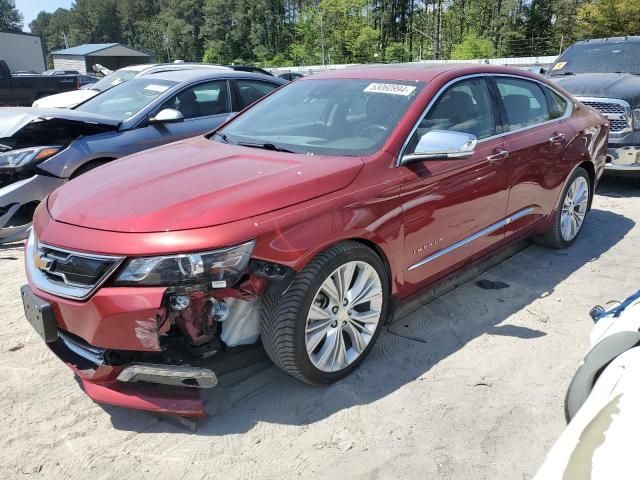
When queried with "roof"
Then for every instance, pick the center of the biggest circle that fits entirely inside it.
(629, 38)
(91, 48)
(408, 71)
(213, 73)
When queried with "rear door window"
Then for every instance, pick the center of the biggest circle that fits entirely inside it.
(524, 102)
(558, 106)
(250, 91)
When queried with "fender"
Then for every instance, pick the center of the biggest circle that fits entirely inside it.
(596, 360)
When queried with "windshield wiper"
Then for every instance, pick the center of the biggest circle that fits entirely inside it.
(561, 73)
(266, 146)
(223, 137)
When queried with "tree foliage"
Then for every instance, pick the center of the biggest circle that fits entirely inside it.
(10, 17)
(311, 32)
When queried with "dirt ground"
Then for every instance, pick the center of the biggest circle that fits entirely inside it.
(469, 386)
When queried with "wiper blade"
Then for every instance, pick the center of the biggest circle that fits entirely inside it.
(561, 73)
(223, 137)
(267, 146)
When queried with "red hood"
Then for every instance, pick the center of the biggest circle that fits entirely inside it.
(196, 183)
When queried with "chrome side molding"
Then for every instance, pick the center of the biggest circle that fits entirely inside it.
(471, 238)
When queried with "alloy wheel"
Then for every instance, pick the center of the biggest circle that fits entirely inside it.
(343, 316)
(574, 208)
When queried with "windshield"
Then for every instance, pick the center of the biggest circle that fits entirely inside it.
(125, 100)
(113, 79)
(332, 117)
(599, 57)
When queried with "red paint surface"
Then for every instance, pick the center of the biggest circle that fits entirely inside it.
(199, 195)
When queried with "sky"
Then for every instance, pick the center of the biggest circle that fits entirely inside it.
(31, 8)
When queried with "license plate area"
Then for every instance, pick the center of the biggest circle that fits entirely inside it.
(39, 314)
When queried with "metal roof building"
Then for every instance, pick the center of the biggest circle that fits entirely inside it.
(110, 55)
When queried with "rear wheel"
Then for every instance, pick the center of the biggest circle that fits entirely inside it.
(570, 214)
(328, 320)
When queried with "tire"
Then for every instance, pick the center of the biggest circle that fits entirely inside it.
(556, 237)
(337, 333)
(88, 166)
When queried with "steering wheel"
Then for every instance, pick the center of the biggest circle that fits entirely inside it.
(373, 131)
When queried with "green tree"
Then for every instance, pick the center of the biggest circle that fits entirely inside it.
(10, 17)
(396, 52)
(472, 47)
(600, 18)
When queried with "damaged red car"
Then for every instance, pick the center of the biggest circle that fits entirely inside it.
(299, 223)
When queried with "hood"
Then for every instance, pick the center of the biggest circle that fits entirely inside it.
(65, 99)
(13, 119)
(623, 86)
(196, 183)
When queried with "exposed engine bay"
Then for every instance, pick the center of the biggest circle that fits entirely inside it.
(196, 324)
(23, 180)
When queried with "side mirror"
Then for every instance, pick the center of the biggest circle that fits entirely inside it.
(442, 145)
(168, 115)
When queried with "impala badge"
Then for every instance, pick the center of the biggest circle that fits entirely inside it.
(426, 246)
(41, 262)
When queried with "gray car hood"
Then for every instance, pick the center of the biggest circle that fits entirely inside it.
(623, 86)
(13, 119)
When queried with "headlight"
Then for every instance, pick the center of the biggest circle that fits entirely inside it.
(219, 268)
(25, 156)
(636, 118)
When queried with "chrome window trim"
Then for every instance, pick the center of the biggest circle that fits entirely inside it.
(616, 101)
(471, 238)
(70, 291)
(567, 113)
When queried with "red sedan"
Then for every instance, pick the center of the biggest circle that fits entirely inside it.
(299, 222)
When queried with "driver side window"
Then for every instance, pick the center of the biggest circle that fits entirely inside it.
(464, 107)
(202, 100)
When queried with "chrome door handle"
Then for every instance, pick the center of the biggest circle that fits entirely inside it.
(558, 137)
(496, 157)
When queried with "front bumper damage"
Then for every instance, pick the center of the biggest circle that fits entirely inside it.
(18, 201)
(129, 349)
(120, 386)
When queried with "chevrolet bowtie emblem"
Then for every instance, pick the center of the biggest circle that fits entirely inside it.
(42, 262)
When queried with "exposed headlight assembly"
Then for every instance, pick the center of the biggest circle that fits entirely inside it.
(26, 156)
(218, 268)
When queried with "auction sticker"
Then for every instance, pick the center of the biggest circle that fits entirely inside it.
(390, 88)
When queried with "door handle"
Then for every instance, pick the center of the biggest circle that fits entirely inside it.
(496, 157)
(557, 137)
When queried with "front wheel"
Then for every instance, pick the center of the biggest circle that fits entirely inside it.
(328, 320)
(571, 212)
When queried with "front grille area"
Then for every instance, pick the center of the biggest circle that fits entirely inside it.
(616, 111)
(67, 273)
(72, 268)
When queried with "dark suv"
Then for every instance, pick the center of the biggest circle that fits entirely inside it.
(605, 74)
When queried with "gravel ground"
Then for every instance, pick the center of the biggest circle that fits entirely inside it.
(469, 386)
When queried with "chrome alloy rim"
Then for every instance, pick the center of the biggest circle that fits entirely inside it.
(574, 208)
(343, 317)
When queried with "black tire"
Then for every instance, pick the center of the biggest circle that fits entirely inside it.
(88, 166)
(284, 320)
(553, 238)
